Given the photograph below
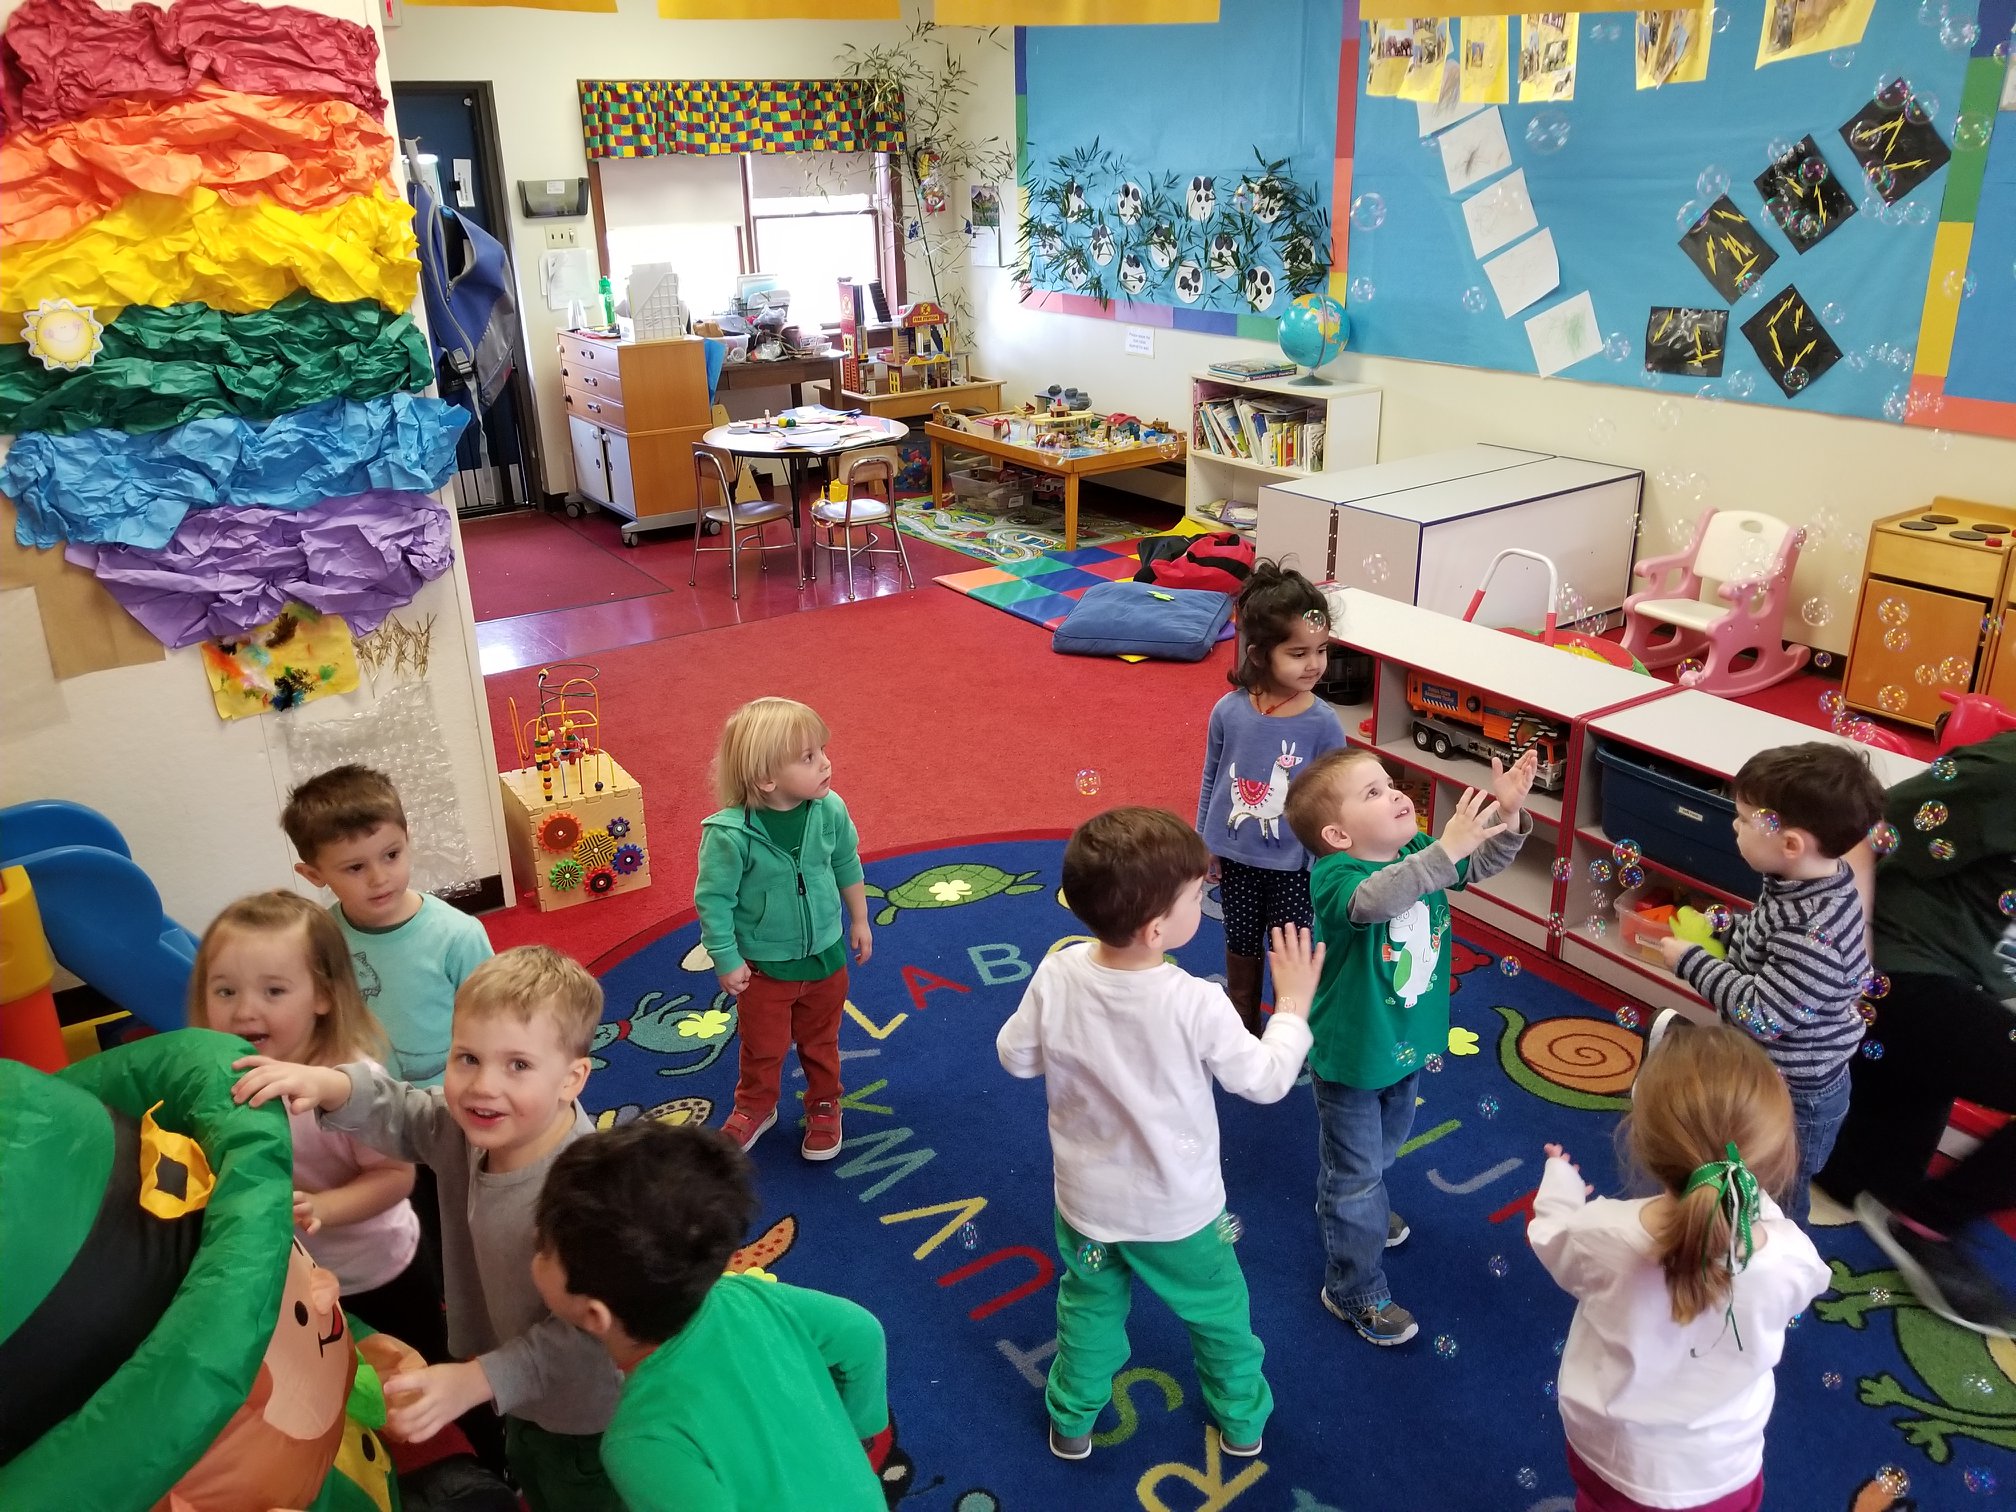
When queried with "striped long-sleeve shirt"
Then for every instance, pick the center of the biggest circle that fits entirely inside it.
(1793, 976)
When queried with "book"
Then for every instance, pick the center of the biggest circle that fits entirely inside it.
(1253, 369)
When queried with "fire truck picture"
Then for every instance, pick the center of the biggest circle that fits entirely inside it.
(1456, 719)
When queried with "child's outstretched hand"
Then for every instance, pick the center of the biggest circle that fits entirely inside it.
(1296, 960)
(1475, 821)
(1511, 785)
(307, 1089)
(1555, 1152)
(420, 1403)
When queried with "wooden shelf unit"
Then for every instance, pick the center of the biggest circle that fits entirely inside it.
(634, 411)
(1350, 437)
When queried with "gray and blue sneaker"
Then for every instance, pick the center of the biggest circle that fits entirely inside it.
(1385, 1324)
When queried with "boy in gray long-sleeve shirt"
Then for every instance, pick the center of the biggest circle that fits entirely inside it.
(504, 1112)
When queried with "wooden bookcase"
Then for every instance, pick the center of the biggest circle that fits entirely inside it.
(1350, 437)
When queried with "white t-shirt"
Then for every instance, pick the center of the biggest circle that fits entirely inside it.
(1127, 1059)
(366, 1255)
(1671, 1414)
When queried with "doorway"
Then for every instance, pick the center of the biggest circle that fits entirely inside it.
(455, 128)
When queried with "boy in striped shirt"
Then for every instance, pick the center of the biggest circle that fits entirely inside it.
(1794, 966)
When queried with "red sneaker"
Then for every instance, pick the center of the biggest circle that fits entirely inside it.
(822, 1131)
(746, 1128)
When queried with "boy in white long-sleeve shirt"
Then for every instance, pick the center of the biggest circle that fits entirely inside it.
(1128, 1044)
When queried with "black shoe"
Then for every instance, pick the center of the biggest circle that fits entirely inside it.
(1070, 1446)
(1942, 1278)
(1396, 1231)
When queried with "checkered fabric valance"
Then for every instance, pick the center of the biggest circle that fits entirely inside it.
(651, 117)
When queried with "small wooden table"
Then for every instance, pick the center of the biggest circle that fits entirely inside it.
(1070, 469)
(981, 394)
(777, 371)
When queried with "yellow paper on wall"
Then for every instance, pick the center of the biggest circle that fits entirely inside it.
(1487, 66)
(293, 659)
(1423, 79)
(1798, 28)
(1547, 43)
(1062, 12)
(1672, 46)
(1388, 48)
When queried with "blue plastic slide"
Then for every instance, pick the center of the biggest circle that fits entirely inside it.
(100, 911)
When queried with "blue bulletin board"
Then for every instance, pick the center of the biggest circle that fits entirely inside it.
(1919, 296)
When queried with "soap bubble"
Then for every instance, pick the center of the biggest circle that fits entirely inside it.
(1627, 852)
(1617, 347)
(1866, 1012)
(1929, 816)
(1689, 672)
(1088, 782)
(1832, 313)
(1499, 1266)
(1883, 837)
(1368, 211)
(1944, 768)
(1831, 1380)
(1924, 674)
(1891, 699)
(1528, 1478)
(1920, 109)
(1813, 170)
(2007, 903)
(1092, 1256)
(1600, 870)
(1872, 1049)
(1831, 702)
(1891, 92)
(1602, 430)
(1796, 378)
(1896, 638)
(1474, 300)
(969, 1237)
(1713, 182)
(1360, 291)
(1433, 1064)
(1599, 927)
(1547, 132)
(1931, 12)
(1741, 385)
(1780, 149)
(1557, 924)
(1822, 660)
(1722, 18)
(1629, 1018)
(1405, 1056)
(1875, 986)
(1891, 1477)
(1958, 35)
(1893, 611)
(1942, 850)
(1631, 876)
(1971, 131)
(1816, 612)
(1445, 1347)
(1231, 1228)
(1548, 1388)
(1719, 918)
(1376, 570)
(1842, 57)
(1488, 1106)
(1562, 869)
(1979, 1479)
(1688, 216)
(1882, 178)
(1509, 966)
(1711, 392)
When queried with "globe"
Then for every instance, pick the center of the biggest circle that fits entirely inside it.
(1314, 330)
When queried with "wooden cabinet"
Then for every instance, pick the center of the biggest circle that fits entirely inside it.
(634, 411)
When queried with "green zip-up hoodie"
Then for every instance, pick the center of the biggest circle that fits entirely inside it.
(755, 904)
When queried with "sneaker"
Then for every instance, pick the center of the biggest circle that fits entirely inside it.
(1069, 1446)
(1942, 1278)
(746, 1128)
(1244, 1451)
(1388, 1323)
(1396, 1231)
(822, 1131)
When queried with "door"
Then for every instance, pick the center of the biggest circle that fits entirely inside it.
(455, 128)
(622, 491)
(591, 473)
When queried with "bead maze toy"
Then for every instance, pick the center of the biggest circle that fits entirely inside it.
(575, 819)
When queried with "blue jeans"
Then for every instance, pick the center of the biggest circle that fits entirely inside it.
(1359, 1134)
(1817, 1116)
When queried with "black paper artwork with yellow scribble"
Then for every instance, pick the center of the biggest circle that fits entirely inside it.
(1894, 140)
(1685, 342)
(1803, 196)
(1790, 342)
(1728, 250)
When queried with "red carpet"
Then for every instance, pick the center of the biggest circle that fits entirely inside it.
(525, 564)
(946, 720)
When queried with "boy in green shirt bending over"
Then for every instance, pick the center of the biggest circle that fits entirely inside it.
(742, 1394)
(1379, 886)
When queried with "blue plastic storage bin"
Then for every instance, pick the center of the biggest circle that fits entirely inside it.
(1677, 819)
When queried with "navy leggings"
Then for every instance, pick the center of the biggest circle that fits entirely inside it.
(1256, 898)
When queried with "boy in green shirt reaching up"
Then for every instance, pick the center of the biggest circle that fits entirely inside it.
(1379, 886)
(742, 1394)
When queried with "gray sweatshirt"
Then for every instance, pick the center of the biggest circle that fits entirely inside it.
(539, 1368)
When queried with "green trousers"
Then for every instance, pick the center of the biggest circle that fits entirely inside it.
(558, 1472)
(1200, 1279)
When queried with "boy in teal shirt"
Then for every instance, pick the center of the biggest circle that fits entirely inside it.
(742, 1394)
(1379, 886)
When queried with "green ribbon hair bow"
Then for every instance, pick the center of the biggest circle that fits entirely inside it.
(1736, 1191)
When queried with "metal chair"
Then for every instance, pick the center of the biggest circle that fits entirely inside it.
(740, 523)
(858, 513)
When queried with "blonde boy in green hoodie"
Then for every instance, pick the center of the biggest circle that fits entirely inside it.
(777, 862)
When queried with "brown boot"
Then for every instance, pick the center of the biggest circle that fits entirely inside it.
(1242, 985)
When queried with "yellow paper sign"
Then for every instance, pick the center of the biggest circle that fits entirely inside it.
(1388, 47)
(1672, 46)
(1798, 28)
(1487, 66)
(1423, 79)
(1547, 43)
(296, 658)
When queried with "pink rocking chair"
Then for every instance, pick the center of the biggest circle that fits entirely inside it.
(1739, 633)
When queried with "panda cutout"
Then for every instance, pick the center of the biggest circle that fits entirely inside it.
(1127, 203)
(1298, 249)
(1075, 274)
(1189, 282)
(1162, 246)
(1102, 244)
(1049, 245)
(1259, 288)
(1202, 198)
(1267, 202)
(1074, 201)
(1225, 257)
(1133, 273)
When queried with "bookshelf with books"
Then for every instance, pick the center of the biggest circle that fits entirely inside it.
(1248, 432)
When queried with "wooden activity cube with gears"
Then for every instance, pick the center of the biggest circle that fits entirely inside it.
(582, 844)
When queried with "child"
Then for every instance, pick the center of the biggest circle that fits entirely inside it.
(274, 969)
(1270, 724)
(1796, 962)
(741, 1392)
(1681, 1300)
(1128, 1044)
(1379, 887)
(490, 1132)
(777, 861)
(412, 951)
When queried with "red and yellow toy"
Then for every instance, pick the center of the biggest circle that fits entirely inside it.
(29, 1029)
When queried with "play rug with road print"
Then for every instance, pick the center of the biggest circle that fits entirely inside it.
(937, 1216)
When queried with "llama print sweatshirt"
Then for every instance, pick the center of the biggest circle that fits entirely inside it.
(1249, 760)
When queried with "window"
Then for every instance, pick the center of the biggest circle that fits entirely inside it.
(707, 258)
(685, 210)
(815, 224)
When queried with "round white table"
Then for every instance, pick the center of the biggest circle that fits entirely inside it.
(798, 448)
